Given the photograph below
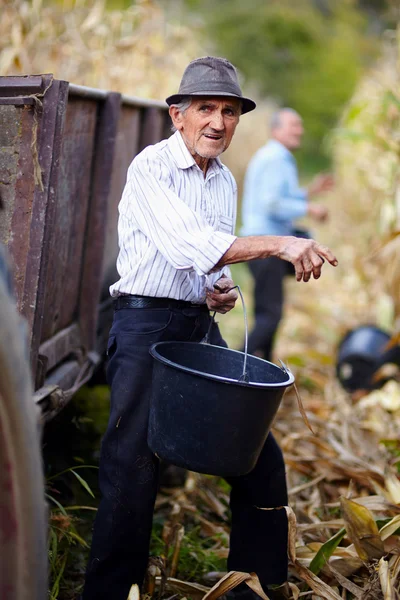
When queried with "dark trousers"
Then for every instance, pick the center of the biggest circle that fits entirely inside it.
(268, 275)
(129, 471)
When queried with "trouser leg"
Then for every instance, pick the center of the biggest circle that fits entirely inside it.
(268, 277)
(258, 541)
(128, 470)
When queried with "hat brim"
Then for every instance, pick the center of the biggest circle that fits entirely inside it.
(247, 104)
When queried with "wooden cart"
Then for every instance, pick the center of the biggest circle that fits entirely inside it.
(64, 154)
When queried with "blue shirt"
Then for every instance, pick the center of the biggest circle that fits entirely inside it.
(272, 198)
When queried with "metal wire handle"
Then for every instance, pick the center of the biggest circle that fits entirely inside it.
(206, 340)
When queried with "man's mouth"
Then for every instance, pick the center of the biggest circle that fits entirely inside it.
(213, 136)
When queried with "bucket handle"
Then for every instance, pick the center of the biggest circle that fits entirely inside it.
(206, 340)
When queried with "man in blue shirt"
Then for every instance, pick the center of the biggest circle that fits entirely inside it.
(272, 202)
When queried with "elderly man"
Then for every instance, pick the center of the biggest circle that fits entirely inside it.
(176, 224)
(272, 202)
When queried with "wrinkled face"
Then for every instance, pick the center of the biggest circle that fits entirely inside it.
(207, 126)
(290, 131)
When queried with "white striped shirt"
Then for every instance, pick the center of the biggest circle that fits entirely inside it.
(174, 224)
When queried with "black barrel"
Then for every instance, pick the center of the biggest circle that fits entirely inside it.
(202, 417)
(359, 355)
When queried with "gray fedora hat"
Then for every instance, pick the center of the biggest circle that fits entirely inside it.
(211, 76)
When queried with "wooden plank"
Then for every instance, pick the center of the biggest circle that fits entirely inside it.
(127, 146)
(21, 222)
(17, 101)
(107, 124)
(152, 124)
(61, 296)
(15, 137)
(63, 344)
(60, 222)
(18, 85)
(50, 128)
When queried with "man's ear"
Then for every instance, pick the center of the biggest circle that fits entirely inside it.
(176, 117)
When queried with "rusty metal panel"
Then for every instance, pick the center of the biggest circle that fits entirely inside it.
(107, 125)
(70, 221)
(63, 165)
(20, 85)
(152, 126)
(29, 160)
(61, 346)
(126, 148)
(50, 112)
(16, 188)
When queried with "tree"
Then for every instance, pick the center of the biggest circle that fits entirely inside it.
(307, 54)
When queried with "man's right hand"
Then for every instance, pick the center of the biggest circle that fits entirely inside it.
(307, 256)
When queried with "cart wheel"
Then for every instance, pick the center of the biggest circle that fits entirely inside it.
(23, 518)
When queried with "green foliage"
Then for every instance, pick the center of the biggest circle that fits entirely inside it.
(64, 539)
(394, 448)
(196, 556)
(326, 551)
(305, 54)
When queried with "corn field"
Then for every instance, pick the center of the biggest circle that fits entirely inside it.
(134, 51)
(343, 459)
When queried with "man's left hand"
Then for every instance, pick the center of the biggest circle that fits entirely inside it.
(220, 299)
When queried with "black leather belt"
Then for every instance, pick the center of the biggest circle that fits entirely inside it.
(132, 301)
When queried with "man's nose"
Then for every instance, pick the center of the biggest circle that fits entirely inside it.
(217, 121)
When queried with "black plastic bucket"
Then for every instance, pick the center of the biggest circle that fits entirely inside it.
(359, 355)
(203, 416)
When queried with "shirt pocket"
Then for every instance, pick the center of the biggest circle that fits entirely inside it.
(225, 224)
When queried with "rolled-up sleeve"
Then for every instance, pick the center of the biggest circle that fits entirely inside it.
(185, 239)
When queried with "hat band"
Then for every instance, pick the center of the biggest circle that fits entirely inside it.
(212, 86)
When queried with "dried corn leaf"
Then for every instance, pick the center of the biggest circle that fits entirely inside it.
(304, 486)
(385, 581)
(301, 409)
(177, 542)
(216, 506)
(295, 590)
(390, 528)
(393, 487)
(315, 583)
(194, 590)
(344, 564)
(378, 503)
(292, 532)
(346, 583)
(134, 593)
(232, 580)
(362, 530)
(333, 524)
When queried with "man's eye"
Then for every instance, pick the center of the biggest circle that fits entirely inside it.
(204, 108)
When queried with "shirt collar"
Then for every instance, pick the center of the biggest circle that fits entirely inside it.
(184, 159)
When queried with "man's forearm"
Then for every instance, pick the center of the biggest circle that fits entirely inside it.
(248, 248)
(307, 256)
